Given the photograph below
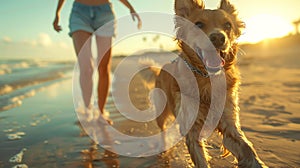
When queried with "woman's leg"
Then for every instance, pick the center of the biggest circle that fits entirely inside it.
(82, 45)
(103, 60)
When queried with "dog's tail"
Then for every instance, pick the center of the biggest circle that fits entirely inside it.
(150, 64)
(150, 71)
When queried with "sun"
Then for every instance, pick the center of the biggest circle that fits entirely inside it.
(264, 26)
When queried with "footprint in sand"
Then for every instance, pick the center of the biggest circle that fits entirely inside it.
(295, 120)
(250, 100)
(274, 122)
(277, 106)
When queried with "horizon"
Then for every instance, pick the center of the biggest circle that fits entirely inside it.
(30, 34)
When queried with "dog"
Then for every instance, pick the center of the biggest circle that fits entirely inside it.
(222, 27)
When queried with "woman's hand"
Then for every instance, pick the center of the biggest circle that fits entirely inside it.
(135, 15)
(56, 25)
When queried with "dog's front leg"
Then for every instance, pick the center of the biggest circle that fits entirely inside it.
(197, 149)
(236, 142)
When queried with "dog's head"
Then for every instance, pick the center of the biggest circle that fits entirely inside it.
(221, 27)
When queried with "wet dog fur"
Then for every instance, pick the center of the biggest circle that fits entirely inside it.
(222, 26)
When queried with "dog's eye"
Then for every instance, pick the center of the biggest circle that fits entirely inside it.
(227, 26)
(199, 24)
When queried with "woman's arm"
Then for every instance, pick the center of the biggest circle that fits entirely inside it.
(128, 5)
(56, 25)
(132, 12)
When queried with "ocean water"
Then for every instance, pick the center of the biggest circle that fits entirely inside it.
(23, 78)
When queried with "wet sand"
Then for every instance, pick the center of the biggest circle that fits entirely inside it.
(269, 101)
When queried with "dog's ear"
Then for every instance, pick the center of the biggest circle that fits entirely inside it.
(227, 6)
(183, 8)
(230, 9)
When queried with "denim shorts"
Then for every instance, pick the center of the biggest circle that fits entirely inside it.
(98, 19)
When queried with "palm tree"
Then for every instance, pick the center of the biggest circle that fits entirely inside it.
(296, 24)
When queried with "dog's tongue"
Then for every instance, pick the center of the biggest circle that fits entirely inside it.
(212, 59)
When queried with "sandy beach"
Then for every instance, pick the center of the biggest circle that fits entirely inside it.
(48, 128)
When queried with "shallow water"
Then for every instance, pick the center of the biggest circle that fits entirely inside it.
(54, 138)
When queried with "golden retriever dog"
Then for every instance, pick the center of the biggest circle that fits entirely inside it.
(222, 27)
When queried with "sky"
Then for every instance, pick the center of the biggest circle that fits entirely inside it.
(26, 26)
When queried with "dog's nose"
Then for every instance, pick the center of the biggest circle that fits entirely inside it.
(218, 39)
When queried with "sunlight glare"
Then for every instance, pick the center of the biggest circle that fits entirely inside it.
(264, 26)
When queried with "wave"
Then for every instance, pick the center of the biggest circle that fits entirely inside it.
(14, 99)
(23, 78)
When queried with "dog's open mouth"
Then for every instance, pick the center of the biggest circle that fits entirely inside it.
(212, 59)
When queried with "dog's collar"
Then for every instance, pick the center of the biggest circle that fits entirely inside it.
(196, 70)
(192, 68)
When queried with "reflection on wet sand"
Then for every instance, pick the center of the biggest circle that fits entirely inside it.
(93, 156)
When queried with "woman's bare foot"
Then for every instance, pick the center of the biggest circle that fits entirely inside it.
(105, 116)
